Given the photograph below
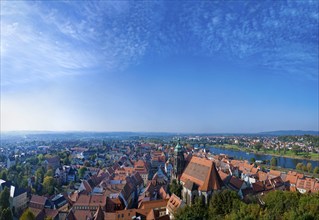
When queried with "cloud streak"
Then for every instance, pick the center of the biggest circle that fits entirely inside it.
(41, 40)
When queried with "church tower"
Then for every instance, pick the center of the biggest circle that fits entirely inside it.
(179, 160)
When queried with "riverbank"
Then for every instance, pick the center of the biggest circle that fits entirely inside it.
(288, 154)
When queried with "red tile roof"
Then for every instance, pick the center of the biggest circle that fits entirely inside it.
(82, 214)
(236, 182)
(174, 203)
(91, 201)
(202, 172)
(274, 173)
(153, 204)
(40, 200)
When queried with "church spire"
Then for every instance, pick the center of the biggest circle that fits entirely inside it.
(179, 160)
(178, 147)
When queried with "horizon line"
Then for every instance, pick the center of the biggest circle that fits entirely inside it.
(167, 132)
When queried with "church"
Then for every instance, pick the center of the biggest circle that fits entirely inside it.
(198, 178)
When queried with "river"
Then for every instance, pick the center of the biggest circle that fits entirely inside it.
(284, 162)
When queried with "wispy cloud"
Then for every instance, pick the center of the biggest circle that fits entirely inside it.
(32, 51)
(41, 40)
(275, 35)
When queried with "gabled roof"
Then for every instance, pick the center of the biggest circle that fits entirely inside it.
(40, 200)
(224, 176)
(236, 182)
(307, 184)
(151, 215)
(129, 213)
(291, 179)
(277, 182)
(258, 187)
(91, 200)
(51, 213)
(202, 172)
(262, 176)
(174, 203)
(87, 186)
(82, 214)
(139, 180)
(274, 173)
(163, 193)
(153, 204)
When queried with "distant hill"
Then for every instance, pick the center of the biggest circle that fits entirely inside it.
(119, 135)
(289, 132)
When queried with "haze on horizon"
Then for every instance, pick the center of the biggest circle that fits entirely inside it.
(168, 66)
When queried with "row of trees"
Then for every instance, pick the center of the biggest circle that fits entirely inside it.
(277, 205)
(307, 168)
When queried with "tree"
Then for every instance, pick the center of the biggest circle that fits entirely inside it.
(82, 171)
(48, 185)
(176, 188)
(39, 174)
(295, 149)
(252, 160)
(304, 168)
(4, 174)
(309, 205)
(27, 215)
(248, 212)
(66, 161)
(40, 158)
(87, 163)
(4, 198)
(299, 166)
(49, 173)
(273, 161)
(309, 167)
(277, 202)
(6, 214)
(258, 146)
(223, 203)
(197, 211)
(316, 170)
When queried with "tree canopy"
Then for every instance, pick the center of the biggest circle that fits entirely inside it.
(6, 214)
(281, 205)
(4, 198)
(27, 215)
(176, 188)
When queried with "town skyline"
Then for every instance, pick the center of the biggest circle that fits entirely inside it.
(199, 67)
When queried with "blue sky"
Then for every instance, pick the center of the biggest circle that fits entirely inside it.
(196, 66)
